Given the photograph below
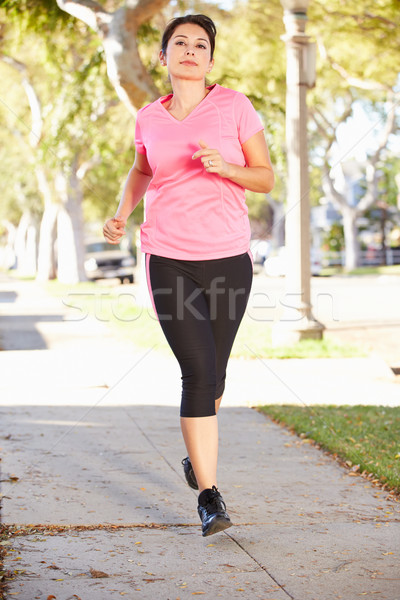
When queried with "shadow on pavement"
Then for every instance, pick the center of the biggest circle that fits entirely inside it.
(19, 332)
(8, 296)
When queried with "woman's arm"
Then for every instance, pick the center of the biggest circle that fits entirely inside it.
(135, 188)
(257, 176)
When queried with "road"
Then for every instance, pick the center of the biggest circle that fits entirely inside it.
(363, 310)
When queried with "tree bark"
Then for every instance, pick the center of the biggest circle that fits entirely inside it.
(25, 246)
(48, 231)
(70, 238)
(118, 33)
(350, 230)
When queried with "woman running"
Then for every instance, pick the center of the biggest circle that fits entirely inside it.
(197, 150)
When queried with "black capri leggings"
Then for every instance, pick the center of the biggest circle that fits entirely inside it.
(200, 304)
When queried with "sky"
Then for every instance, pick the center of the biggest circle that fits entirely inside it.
(360, 134)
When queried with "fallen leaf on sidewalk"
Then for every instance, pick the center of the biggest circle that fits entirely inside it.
(98, 574)
(52, 597)
(11, 478)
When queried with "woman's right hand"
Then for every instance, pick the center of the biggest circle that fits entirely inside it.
(114, 229)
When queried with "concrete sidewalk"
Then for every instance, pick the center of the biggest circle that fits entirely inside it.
(91, 455)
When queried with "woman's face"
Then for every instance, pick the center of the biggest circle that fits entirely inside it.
(188, 53)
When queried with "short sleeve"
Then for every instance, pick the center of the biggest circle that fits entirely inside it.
(247, 120)
(139, 144)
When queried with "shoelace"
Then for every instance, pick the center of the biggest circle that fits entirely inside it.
(214, 501)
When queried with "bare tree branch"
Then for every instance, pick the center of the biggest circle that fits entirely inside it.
(323, 128)
(327, 130)
(87, 165)
(88, 11)
(353, 81)
(15, 64)
(371, 194)
(36, 130)
(390, 123)
(383, 20)
(360, 18)
(144, 10)
(317, 111)
(337, 199)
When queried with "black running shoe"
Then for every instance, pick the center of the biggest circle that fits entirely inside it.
(212, 512)
(189, 473)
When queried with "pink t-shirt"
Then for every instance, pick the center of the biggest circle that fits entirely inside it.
(192, 214)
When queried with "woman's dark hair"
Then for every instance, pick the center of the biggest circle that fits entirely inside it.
(205, 22)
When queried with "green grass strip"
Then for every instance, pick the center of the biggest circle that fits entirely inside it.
(367, 438)
(369, 270)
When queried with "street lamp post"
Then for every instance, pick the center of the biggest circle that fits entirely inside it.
(297, 321)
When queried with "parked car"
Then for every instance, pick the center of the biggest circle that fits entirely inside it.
(106, 261)
(276, 264)
(260, 250)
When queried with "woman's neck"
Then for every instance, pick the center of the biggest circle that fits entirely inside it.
(186, 96)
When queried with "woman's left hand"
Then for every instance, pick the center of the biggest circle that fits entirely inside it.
(212, 160)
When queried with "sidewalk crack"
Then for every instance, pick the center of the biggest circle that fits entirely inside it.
(281, 586)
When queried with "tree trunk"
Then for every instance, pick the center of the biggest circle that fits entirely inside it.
(26, 246)
(350, 230)
(48, 233)
(125, 69)
(118, 33)
(8, 258)
(48, 230)
(70, 238)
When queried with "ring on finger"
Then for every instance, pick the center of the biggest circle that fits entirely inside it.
(210, 163)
